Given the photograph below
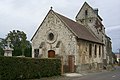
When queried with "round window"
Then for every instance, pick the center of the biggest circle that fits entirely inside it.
(51, 36)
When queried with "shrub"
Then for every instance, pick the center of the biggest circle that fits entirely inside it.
(12, 68)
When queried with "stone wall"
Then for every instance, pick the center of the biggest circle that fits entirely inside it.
(91, 67)
(64, 42)
(87, 61)
(91, 21)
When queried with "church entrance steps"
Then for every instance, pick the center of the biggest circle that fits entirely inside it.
(72, 74)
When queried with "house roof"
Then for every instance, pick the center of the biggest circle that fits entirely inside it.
(79, 30)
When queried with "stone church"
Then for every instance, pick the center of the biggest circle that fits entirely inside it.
(82, 44)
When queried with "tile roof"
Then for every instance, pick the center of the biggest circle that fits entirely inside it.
(79, 30)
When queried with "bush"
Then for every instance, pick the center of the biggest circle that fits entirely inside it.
(12, 68)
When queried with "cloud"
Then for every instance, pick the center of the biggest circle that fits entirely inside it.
(115, 27)
(26, 15)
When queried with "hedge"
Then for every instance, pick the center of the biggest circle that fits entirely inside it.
(15, 68)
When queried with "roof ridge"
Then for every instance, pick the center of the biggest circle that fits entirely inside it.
(78, 29)
(73, 24)
(69, 19)
(64, 16)
(59, 16)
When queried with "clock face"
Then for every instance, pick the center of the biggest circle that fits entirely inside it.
(51, 36)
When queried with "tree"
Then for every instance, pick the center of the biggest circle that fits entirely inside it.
(19, 43)
(2, 44)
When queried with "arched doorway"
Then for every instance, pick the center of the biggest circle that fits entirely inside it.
(51, 54)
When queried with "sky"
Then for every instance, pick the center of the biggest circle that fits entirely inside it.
(27, 15)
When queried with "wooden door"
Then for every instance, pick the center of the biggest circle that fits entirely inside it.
(51, 54)
(71, 63)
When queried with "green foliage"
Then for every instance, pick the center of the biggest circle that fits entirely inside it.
(14, 68)
(28, 50)
(1, 46)
(19, 43)
(1, 51)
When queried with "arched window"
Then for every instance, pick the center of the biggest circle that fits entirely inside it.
(90, 50)
(86, 12)
(99, 51)
(95, 50)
